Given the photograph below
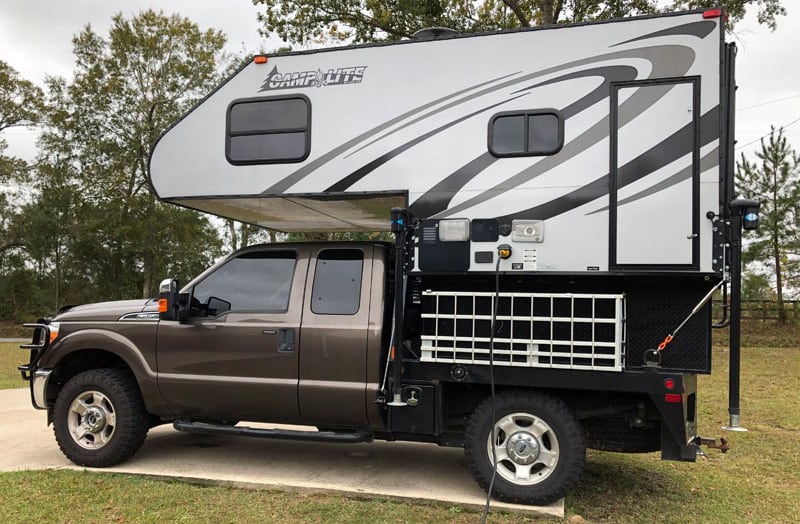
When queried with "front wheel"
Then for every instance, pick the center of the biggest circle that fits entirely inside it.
(538, 443)
(99, 418)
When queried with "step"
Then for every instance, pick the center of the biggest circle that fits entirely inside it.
(206, 428)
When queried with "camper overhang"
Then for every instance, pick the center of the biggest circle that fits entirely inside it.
(298, 213)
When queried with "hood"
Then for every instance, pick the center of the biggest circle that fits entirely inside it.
(106, 311)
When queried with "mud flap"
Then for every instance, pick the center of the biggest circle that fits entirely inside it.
(678, 420)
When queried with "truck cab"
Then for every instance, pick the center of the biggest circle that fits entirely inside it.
(280, 333)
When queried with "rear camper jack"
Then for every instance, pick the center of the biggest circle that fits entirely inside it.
(744, 216)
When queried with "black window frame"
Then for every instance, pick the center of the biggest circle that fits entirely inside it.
(321, 256)
(283, 160)
(526, 119)
(272, 254)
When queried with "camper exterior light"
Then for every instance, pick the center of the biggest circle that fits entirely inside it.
(260, 59)
(456, 230)
(527, 231)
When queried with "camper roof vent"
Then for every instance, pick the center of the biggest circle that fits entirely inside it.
(433, 33)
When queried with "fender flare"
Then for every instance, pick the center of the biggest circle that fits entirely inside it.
(116, 344)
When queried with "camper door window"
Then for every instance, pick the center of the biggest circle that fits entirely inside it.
(526, 133)
(268, 130)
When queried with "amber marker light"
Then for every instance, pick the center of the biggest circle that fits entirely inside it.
(53, 328)
(260, 59)
(163, 307)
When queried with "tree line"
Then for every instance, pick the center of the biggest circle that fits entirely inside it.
(80, 223)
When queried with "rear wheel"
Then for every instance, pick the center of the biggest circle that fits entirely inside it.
(539, 445)
(99, 418)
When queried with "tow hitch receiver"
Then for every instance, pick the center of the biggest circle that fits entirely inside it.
(712, 443)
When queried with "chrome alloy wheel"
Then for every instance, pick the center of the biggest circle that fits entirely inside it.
(526, 447)
(91, 420)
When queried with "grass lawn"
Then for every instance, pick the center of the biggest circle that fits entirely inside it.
(12, 356)
(757, 481)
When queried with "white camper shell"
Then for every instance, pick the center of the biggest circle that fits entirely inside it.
(597, 147)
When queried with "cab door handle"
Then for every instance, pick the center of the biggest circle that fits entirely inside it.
(286, 340)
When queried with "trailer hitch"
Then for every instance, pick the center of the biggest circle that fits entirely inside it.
(712, 443)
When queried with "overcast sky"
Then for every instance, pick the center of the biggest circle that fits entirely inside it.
(35, 39)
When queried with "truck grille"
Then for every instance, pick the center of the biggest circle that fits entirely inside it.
(543, 330)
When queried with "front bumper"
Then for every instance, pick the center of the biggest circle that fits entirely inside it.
(39, 388)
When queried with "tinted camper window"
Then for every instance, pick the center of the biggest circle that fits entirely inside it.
(526, 133)
(268, 130)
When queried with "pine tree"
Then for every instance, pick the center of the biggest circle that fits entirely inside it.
(773, 180)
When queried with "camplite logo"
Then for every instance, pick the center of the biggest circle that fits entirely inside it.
(332, 77)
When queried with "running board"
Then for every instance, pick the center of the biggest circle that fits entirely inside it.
(205, 428)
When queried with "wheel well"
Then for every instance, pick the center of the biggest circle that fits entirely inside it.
(78, 362)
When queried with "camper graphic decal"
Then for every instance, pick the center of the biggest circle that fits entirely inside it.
(313, 78)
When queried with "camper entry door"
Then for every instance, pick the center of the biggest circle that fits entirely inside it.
(654, 175)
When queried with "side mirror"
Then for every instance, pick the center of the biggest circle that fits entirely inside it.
(169, 306)
(217, 306)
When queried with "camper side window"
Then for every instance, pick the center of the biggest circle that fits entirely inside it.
(268, 130)
(526, 133)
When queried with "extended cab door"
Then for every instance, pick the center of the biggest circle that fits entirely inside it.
(236, 357)
(336, 325)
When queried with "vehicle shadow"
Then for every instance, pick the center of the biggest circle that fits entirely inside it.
(624, 486)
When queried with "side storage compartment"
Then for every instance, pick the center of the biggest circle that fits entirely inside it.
(579, 331)
(419, 414)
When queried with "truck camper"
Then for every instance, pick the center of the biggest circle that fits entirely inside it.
(562, 204)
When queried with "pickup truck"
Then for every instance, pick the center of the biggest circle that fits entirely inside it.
(301, 333)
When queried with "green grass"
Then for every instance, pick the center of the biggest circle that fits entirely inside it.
(757, 481)
(13, 330)
(73, 496)
(10, 357)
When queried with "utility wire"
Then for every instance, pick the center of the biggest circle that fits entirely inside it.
(796, 120)
(768, 102)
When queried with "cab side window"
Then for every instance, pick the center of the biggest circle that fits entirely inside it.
(257, 281)
(337, 282)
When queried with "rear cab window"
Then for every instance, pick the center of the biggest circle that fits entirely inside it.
(337, 282)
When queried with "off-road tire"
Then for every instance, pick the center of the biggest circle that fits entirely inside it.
(562, 427)
(119, 390)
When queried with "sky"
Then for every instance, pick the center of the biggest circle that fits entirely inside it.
(36, 40)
